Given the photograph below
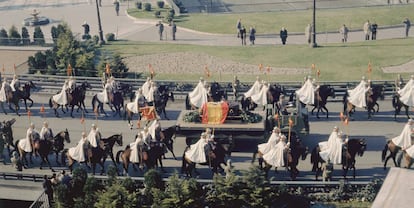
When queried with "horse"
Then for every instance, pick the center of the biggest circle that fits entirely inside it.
(22, 152)
(117, 103)
(215, 157)
(408, 160)
(273, 95)
(45, 147)
(6, 133)
(397, 105)
(161, 99)
(74, 98)
(352, 148)
(321, 98)
(215, 93)
(18, 95)
(96, 155)
(372, 95)
(394, 149)
(126, 90)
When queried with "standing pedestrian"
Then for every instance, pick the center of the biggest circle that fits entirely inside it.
(47, 188)
(238, 27)
(160, 29)
(252, 35)
(308, 32)
(243, 35)
(116, 3)
(283, 35)
(173, 29)
(407, 25)
(374, 29)
(344, 33)
(367, 29)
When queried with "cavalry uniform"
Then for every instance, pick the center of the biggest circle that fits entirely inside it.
(78, 152)
(146, 87)
(139, 142)
(261, 97)
(46, 132)
(94, 136)
(26, 143)
(196, 152)
(138, 102)
(275, 156)
(404, 139)
(273, 140)
(199, 95)
(357, 96)
(15, 84)
(255, 89)
(62, 98)
(306, 94)
(150, 94)
(4, 91)
(407, 93)
(331, 150)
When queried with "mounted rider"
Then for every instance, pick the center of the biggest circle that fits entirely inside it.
(406, 93)
(197, 152)
(27, 143)
(78, 152)
(199, 95)
(306, 94)
(15, 84)
(146, 87)
(260, 98)
(331, 150)
(273, 140)
(5, 91)
(255, 89)
(137, 148)
(139, 102)
(46, 133)
(108, 91)
(404, 139)
(94, 136)
(68, 86)
(358, 95)
(150, 94)
(276, 156)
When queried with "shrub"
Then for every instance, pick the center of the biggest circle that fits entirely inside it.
(4, 38)
(38, 37)
(86, 37)
(138, 4)
(147, 7)
(157, 14)
(14, 36)
(110, 37)
(160, 4)
(25, 36)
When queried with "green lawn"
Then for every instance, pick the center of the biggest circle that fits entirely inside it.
(294, 21)
(337, 62)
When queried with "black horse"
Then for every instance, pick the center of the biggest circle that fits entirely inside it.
(352, 148)
(117, 103)
(273, 96)
(321, 98)
(372, 95)
(6, 133)
(126, 90)
(161, 98)
(215, 93)
(397, 104)
(215, 156)
(45, 147)
(18, 95)
(75, 98)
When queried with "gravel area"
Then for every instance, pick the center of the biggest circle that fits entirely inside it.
(189, 62)
(403, 68)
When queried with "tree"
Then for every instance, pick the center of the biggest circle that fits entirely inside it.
(91, 189)
(4, 38)
(14, 36)
(25, 36)
(116, 196)
(38, 37)
(118, 67)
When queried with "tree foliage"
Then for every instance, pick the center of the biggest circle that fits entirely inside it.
(38, 36)
(14, 36)
(25, 36)
(4, 37)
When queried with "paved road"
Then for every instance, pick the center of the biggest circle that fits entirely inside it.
(74, 13)
(376, 131)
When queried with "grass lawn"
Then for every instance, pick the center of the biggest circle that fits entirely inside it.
(294, 21)
(337, 62)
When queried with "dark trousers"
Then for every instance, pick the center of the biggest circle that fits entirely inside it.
(374, 36)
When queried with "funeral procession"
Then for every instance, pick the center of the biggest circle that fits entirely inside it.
(193, 103)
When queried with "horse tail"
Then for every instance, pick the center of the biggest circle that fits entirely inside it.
(384, 152)
(93, 102)
(16, 146)
(187, 103)
(50, 102)
(63, 157)
(118, 155)
(184, 162)
(394, 101)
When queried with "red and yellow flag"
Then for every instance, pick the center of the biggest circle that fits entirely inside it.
(260, 67)
(313, 66)
(149, 113)
(214, 112)
(290, 122)
(42, 109)
(207, 71)
(318, 73)
(369, 67)
(151, 71)
(108, 69)
(69, 70)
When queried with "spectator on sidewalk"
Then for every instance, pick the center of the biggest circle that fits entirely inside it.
(243, 34)
(308, 32)
(344, 33)
(374, 28)
(47, 188)
(238, 27)
(367, 29)
(407, 25)
(283, 35)
(252, 35)
(116, 3)
(160, 29)
(173, 29)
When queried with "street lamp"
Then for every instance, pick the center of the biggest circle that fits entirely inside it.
(313, 45)
(101, 39)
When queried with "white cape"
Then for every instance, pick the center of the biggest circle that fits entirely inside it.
(134, 106)
(255, 89)
(306, 94)
(407, 93)
(94, 138)
(357, 96)
(3, 97)
(266, 147)
(261, 97)
(275, 156)
(78, 153)
(199, 95)
(25, 143)
(145, 88)
(196, 152)
(404, 139)
(134, 157)
(61, 98)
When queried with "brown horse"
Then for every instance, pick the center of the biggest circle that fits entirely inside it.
(394, 149)
(23, 153)
(321, 98)
(397, 104)
(352, 148)
(408, 160)
(372, 95)
(15, 97)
